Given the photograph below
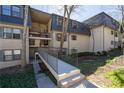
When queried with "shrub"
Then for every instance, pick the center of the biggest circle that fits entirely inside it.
(85, 54)
(117, 77)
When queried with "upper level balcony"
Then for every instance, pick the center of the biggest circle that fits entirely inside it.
(41, 24)
(40, 35)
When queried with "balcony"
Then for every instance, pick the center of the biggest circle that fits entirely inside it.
(40, 35)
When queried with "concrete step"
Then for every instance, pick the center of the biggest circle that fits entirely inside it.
(71, 80)
(69, 74)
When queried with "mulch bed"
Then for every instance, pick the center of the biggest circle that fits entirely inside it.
(91, 58)
(15, 69)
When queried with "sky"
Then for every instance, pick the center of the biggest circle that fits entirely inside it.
(83, 12)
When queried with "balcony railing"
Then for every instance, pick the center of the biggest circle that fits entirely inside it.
(40, 34)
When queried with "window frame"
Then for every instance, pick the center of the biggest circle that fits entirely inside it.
(65, 37)
(4, 58)
(21, 11)
(16, 33)
(116, 34)
(74, 37)
(3, 9)
(1, 56)
(74, 25)
(1, 32)
(9, 33)
(59, 19)
(15, 55)
(112, 42)
(112, 32)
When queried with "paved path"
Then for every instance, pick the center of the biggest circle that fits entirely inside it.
(84, 84)
(42, 80)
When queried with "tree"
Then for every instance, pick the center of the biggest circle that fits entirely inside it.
(24, 35)
(68, 10)
(121, 27)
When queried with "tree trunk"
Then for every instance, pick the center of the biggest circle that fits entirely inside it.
(63, 30)
(24, 36)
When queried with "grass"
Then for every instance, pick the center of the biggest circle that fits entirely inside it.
(24, 79)
(116, 77)
(88, 68)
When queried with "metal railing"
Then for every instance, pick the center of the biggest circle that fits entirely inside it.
(40, 34)
(49, 59)
(53, 55)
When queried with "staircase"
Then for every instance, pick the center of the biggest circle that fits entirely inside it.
(71, 79)
(65, 74)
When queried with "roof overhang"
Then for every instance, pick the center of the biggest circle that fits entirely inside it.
(39, 16)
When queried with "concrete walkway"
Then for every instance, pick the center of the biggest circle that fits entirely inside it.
(42, 80)
(84, 84)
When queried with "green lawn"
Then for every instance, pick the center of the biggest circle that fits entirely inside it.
(24, 79)
(88, 68)
(116, 77)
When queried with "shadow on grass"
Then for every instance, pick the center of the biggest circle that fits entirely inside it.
(18, 78)
(90, 66)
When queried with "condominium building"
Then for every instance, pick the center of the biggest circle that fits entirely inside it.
(98, 33)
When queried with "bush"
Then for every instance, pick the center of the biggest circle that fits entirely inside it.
(103, 53)
(117, 77)
(85, 54)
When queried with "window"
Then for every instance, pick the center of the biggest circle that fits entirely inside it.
(16, 11)
(112, 32)
(73, 50)
(59, 21)
(8, 55)
(1, 32)
(17, 54)
(58, 37)
(116, 35)
(74, 37)
(0, 10)
(46, 42)
(7, 33)
(112, 42)
(1, 56)
(6, 10)
(31, 41)
(74, 24)
(16, 33)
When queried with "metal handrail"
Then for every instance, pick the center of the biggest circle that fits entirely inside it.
(51, 60)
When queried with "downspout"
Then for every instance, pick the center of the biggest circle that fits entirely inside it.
(93, 39)
(103, 39)
(114, 39)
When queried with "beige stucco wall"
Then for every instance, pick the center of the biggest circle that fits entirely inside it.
(97, 34)
(39, 27)
(10, 44)
(13, 44)
(10, 63)
(102, 39)
(109, 38)
(82, 42)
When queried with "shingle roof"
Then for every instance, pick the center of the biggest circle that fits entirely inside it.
(81, 29)
(102, 19)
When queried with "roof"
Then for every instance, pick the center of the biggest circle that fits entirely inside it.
(81, 29)
(102, 19)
